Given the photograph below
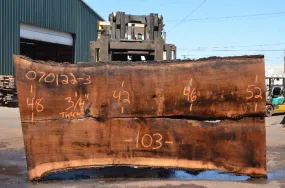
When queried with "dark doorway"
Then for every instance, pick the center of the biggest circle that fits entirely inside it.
(46, 51)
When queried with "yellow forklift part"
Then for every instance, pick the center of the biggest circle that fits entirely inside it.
(280, 109)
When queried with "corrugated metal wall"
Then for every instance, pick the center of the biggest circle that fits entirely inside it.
(71, 16)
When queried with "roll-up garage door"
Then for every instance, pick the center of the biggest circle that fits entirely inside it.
(46, 35)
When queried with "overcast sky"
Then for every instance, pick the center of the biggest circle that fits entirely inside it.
(216, 28)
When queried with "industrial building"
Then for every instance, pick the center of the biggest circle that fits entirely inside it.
(58, 30)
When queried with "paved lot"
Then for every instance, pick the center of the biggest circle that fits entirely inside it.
(13, 171)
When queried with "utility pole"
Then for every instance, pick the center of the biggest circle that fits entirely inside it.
(283, 80)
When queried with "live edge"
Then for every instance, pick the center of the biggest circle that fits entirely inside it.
(236, 88)
(234, 146)
(144, 114)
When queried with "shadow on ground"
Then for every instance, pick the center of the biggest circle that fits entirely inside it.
(13, 173)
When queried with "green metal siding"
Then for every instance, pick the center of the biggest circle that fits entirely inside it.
(71, 16)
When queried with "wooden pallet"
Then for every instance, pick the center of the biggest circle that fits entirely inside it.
(7, 82)
(205, 114)
(8, 91)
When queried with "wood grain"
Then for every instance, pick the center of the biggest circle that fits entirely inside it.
(144, 114)
(234, 146)
(212, 88)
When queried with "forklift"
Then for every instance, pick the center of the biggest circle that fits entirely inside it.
(275, 101)
(127, 37)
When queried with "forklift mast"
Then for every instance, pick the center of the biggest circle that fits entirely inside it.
(131, 37)
(134, 27)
